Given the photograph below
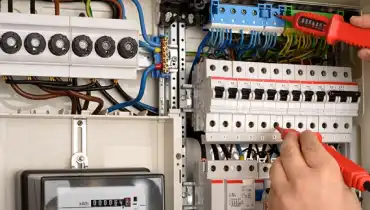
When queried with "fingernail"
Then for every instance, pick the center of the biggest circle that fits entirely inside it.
(364, 54)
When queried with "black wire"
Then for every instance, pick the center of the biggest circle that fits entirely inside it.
(37, 82)
(216, 154)
(225, 151)
(33, 6)
(198, 136)
(81, 88)
(250, 148)
(114, 8)
(78, 102)
(231, 148)
(109, 97)
(10, 5)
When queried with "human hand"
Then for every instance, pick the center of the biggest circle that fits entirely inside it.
(307, 177)
(362, 22)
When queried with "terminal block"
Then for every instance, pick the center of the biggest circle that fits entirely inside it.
(62, 46)
(262, 18)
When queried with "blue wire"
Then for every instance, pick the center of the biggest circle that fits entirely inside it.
(239, 149)
(123, 9)
(275, 40)
(148, 107)
(267, 41)
(241, 37)
(225, 42)
(146, 46)
(231, 38)
(139, 96)
(142, 24)
(249, 46)
(199, 51)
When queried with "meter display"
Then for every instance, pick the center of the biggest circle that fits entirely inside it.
(91, 190)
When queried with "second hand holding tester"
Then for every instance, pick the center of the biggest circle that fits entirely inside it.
(354, 176)
(334, 30)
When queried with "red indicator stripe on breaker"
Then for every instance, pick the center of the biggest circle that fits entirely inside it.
(286, 81)
(227, 181)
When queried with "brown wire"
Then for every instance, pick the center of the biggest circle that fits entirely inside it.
(79, 95)
(90, 98)
(64, 93)
(57, 7)
(31, 96)
(118, 6)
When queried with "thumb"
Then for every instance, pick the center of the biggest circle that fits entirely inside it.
(361, 21)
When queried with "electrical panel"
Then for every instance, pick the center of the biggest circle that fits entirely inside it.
(249, 72)
(62, 46)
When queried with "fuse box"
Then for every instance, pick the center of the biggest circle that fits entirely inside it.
(190, 90)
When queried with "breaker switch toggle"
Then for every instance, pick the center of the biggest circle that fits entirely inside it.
(308, 95)
(232, 93)
(219, 92)
(259, 94)
(271, 94)
(283, 95)
(296, 95)
(320, 96)
(246, 93)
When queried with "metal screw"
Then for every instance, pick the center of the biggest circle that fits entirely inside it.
(184, 195)
(191, 18)
(222, 10)
(79, 123)
(81, 158)
(178, 156)
(168, 16)
(174, 59)
(183, 98)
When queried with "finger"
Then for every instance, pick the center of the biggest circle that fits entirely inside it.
(272, 200)
(277, 175)
(364, 54)
(313, 152)
(361, 21)
(291, 157)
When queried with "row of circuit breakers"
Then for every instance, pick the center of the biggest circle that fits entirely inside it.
(233, 99)
(70, 46)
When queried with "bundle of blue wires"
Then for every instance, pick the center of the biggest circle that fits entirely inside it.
(150, 46)
(140, 94)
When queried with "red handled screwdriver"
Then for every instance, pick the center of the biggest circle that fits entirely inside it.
(354, 176)
(334, 29)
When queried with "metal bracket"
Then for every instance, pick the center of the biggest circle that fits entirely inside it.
(188, 195)
(79, 141)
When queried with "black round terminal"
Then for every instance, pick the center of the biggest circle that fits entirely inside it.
(127, 47)
(105, 46)
(82, 45)
(10, 42)
(59, 44)
(34, 43)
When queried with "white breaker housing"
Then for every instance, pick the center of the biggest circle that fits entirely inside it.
(226, 185)
(31, 45)
(242, 101)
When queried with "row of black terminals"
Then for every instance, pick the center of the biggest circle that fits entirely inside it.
(284, 95)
